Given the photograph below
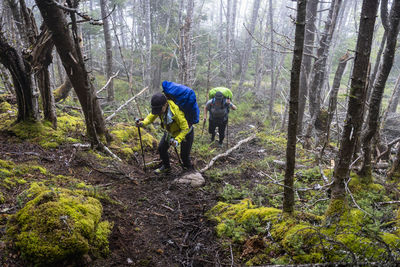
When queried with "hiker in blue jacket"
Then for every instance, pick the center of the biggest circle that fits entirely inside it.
(219, 109)
(177, 130)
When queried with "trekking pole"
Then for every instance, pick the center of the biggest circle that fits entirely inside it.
(169, 136)
(227, 133)
(179, 158)
(202, 130)
(141, 146)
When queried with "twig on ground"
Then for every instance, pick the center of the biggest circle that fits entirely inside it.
(226, 153)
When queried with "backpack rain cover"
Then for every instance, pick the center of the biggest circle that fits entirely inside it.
(185, 98)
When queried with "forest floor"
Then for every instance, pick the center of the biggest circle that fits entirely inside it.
(156, 221)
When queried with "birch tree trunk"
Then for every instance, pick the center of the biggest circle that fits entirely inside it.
(108, 44)
(248, 43)
(272, 56)
(378, 89)
(353, 122)
(147, 35)
(309, 37)
(228, 50)
(288, 195)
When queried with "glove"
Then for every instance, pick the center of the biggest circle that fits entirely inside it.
(139, 123)
(173, 142)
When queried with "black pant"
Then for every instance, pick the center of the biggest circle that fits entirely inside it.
(212, 125)
(186, 146)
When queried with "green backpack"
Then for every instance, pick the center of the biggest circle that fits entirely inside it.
(225, 91)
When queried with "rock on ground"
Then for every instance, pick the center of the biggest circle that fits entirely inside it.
(194, 179)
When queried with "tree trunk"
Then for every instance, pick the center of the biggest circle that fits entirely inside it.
(13, 5)
(272, 55)
(376, 65)
(62, 91)
(6, 80)
(186, 47)
(228, 44)
(147, 52)
(352, 127)
(394, 172)
(20, 73)
(396, 95)
(248, 42)
(288, 195)
(68, 48)
(333, 97)
(378, 88)
(319, 68)
(309, 37)
(41, 58)
(108, 44)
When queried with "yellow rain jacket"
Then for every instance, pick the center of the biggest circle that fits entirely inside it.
(179, 126)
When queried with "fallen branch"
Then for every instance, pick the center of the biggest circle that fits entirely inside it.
(395, 141)
(108, 82)
(125, 104)
(226, 153)
(283, 164)
(110, 153)
(387, 202)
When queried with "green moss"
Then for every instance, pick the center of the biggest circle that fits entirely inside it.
(39, 168)
(7, 164)
(5, 173)
(336, 208)
(58, 224)
(126, 140)
(2, 199)
(5, 106)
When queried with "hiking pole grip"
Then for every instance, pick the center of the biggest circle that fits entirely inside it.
(141, 146)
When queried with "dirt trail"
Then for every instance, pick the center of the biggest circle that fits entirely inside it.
(156, 222)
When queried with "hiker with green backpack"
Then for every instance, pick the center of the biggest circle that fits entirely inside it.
(218, 107)
(178, 111)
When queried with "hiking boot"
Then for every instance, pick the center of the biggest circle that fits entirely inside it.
(162, 170)
(220, 144)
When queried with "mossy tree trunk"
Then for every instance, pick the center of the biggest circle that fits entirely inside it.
(20, 73)
(288, 197)
(68, 48)
(352, 127)
(378, 89)
(62, 91)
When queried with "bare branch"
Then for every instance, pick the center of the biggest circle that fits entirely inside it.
(109, 80)
(125, 104)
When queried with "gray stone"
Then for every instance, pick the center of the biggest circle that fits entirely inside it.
(195, 179)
